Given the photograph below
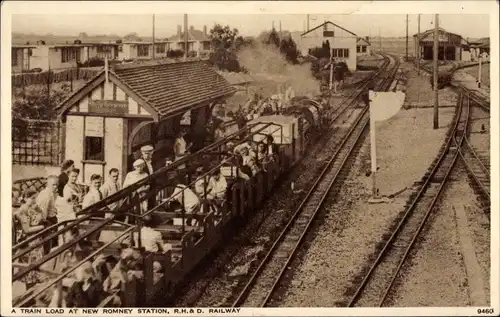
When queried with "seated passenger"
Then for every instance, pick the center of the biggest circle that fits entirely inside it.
(86, 291)
(151, 239)
(217, 185)
(186, 197)
(249, 161)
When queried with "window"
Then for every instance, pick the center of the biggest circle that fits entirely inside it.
(363, 49)
(358, 49)
(14, 57)
(328, 33)
(69, 54)
(120, 48)
(340, 52)
(206, 46)
(94, 148)
(160, 48)
(143, 50)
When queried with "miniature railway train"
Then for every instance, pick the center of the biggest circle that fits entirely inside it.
(279, 141)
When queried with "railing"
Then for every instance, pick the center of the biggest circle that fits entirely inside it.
(131, 207)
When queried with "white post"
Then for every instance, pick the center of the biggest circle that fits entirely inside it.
(373, 154)
(479, 73)
(106, 68)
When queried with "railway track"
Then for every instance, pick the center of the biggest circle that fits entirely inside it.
(478, 169)
(259, 290)
(374, 289)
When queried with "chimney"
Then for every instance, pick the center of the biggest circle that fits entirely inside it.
(191, 28)
(205, 30)
(179, 29)
(367, 38)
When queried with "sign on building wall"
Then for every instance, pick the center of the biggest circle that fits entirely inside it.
(109, 106)
(94, 126)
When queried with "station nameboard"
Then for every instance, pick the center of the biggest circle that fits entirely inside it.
(109, 106)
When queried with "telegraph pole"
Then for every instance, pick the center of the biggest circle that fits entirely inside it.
(418, 46)
(407, 37)
(379, 41)
(307, 23)
(281, 35)
(436, 50)
(185, 36)
(154, 48)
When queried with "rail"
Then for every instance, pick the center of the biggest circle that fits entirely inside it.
(308, 213)
(393, 268)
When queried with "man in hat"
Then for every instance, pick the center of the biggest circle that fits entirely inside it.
(147, 156)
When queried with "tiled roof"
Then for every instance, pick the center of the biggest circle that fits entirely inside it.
(193, 35)
(171, 87)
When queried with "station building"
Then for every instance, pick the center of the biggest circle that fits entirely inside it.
(363, 46)
(130, 105)
(343, 42)
(451, 45)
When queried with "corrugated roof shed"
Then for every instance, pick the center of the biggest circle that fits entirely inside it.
(169, 87)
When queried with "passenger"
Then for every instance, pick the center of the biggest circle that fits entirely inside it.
(151, 239)
(68, 204)
(94, 195)
(133, 177)
(201, 183)
(46, 201)
(271, 147)
(217, 185)
(187, 198)
(248, 161)
(147, 156)
(86, 291)
(110, 187)
(16, 197)
(220, 132)
(31, 220)
(181, 148)
(66, 167)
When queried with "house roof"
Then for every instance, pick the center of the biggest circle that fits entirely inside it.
(361, 39)
(164, 88)
(193, 35)
(482, 42)
(327, 22)
(430, 31)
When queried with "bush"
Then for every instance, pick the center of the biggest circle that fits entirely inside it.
(175, 53)
(225, 60)
(93, 62)
(444, 79)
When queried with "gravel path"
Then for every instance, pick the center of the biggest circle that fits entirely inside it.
(352, 228)
(436, 274)
(485, 73)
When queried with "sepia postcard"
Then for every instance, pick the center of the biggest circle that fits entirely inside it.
(243, 158)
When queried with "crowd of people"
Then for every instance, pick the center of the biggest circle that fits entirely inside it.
(63, 197)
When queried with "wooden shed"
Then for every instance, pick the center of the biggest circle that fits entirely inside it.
(124, 107)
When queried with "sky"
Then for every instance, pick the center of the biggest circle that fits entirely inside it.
(467, 25)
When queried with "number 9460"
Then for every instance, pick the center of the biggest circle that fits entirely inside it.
(484, 311)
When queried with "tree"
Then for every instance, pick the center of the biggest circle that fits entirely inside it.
(223, 37)
(225, 60)
(36, 105)
(288, 46)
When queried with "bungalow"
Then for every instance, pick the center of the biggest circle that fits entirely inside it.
(480, 47)
(20, 57)
(59, 56)
(142, 50)
(198, 41)
(342, 42)
(363, 46)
